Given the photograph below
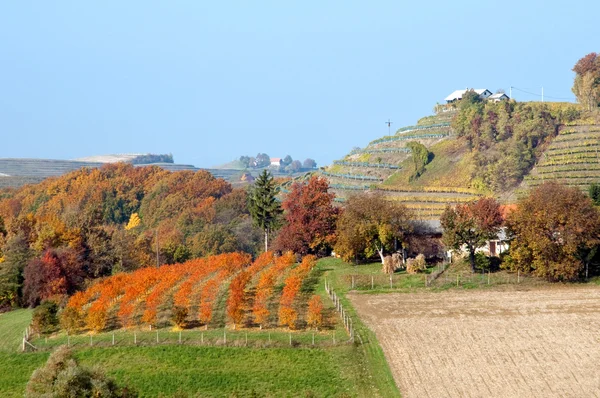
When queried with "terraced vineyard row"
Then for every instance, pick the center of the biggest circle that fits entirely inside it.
(573, 158)
(194, 290)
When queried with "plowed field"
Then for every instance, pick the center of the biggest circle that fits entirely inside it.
(537, 343)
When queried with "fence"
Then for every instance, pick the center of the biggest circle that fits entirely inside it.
(339, 307)
(393, 281)
(408, 137)
(214, 337)
(352, 176)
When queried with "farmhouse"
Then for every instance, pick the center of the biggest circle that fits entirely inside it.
(457, 95)
(498, 97)
(276, 162)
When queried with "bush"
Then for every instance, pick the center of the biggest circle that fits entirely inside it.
(179, 315)
(71, 319)
(44, 318)
(482, 261)
(62, 376)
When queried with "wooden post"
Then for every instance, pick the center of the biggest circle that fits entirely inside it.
(113, 339)
(334, 337)
(23, 343)
(246, 338)
(225, 336)
(352, 281)
(518, 276)
(269, 337)
(425, 280)
(489, 273)
(313, 338)
(457, 276)
(202, 337)
(391, 283)
(290, 339)
(180, 337)
(135, 338)
(157, 336)
(68, 341)
(371, 282)
(91, 340)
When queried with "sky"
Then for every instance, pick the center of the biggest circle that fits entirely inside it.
(211, 81)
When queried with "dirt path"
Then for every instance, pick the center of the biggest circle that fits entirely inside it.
(538, 343)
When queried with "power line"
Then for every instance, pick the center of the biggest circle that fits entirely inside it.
(540, 95)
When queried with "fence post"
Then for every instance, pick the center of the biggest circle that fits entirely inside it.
(290, 338)
(352, 281)
(518, 276)
(371, 282)
(113, 338)
(391, 282)
(91, 340)
(334, 337)
(135, 338)
(313, 338)
(23, 344)
(489, 272)
(457, 276)
(180, 337)
(246, 338)
(225, 336)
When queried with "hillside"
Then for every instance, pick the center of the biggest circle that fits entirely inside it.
(572, 158)
(475, 148)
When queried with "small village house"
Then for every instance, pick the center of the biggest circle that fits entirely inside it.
(276, 162)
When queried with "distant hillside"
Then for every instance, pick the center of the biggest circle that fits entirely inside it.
(476, 149)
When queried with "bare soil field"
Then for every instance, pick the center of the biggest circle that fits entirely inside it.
(486, 343)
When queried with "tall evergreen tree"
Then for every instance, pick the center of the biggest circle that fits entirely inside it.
(263, 205)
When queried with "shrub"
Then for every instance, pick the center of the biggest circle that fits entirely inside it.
(179, 316)
(62, 376)
(70, 319)
(44, 318)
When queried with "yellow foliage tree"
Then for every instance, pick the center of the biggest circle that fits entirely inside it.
(134, 221)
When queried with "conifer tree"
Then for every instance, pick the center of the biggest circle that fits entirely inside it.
(263, 205)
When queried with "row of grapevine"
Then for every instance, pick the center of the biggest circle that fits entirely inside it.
(550, 169)
(408, 137)
(457, 190)
(433, 199)
(366, 164)
(423, 127)
(352, 176)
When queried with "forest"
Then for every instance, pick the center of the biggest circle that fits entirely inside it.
(96, 222)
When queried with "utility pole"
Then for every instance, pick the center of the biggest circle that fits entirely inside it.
(510, 95)
(542, 93)
(389, 124)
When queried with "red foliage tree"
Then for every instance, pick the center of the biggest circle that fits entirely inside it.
(44, 279)
(471, 224)
(310, 218)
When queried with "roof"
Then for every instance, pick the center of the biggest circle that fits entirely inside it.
(456, 95)
(498, 96)
(275, 159)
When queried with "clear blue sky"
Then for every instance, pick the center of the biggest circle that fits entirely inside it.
(210, 81)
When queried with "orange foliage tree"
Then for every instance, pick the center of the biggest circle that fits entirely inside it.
(287, 314)
(314, 316)
(265, 286)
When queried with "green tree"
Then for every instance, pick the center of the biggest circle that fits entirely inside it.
(555, 232)
(420, 158)
(263, 204)
(472, 225)
(370, 225)
(594, 192)
(16, 256)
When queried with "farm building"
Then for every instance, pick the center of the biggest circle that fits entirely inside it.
(457, 95)
(276, 162)
(498, 97)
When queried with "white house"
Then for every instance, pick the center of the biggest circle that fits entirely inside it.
(498, 97)
(276, 162)
(457, 95)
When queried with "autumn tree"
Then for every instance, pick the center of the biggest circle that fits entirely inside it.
(586, 86)
(472, 225)
(554, 230)
(310, 218)
(371, 225)
(314, 316)
(263, 204)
